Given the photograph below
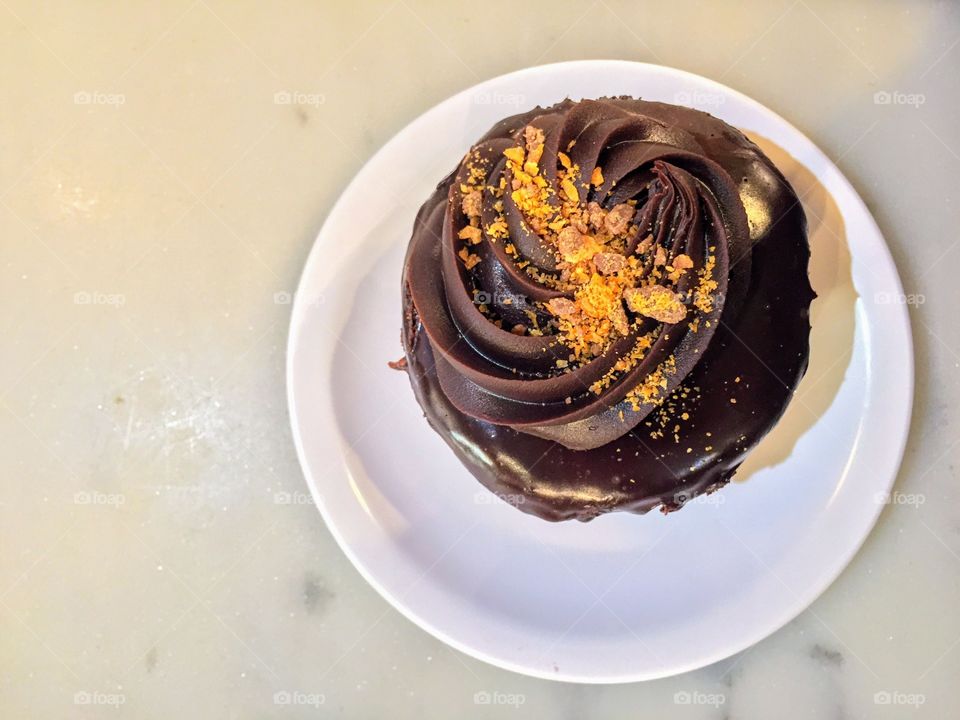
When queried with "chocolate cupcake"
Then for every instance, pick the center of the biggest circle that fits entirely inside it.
(606, 306)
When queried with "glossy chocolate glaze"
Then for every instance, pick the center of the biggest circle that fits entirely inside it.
(503, 413)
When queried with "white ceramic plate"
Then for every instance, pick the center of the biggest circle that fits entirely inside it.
(624, 597)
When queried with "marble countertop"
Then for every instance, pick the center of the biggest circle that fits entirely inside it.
(164, 170)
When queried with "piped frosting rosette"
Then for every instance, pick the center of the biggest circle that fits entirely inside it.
(578, 270)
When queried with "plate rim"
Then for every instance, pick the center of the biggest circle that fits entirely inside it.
(802, 601)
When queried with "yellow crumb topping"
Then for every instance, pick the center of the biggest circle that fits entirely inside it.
(651, 389)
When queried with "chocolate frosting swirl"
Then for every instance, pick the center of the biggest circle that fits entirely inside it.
(567, 282)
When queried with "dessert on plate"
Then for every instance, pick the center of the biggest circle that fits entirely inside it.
(606, 306)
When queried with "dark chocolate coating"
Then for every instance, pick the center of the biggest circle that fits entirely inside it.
(492, 396)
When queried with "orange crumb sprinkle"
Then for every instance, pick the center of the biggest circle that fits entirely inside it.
(469, 259)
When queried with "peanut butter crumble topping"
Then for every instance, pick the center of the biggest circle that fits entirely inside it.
(607, 290)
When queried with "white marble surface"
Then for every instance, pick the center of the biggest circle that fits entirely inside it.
(157, 200)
